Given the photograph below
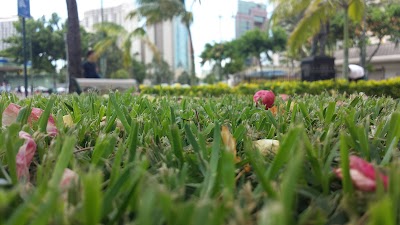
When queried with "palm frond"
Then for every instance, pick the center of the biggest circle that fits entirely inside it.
(156, 11)
(103, 45)
(356, 10)
(310, 24)
(289, 8)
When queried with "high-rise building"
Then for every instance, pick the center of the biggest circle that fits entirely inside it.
(7, 30)
(250, 15)
(172, 41)
(116, 14)
(170, 37)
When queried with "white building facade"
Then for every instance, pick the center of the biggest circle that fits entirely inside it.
(170, 37)
(7, 30)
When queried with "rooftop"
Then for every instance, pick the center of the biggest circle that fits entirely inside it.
(387, 49)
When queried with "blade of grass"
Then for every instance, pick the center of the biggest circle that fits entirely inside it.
(103, 148)
(255, 160)
(62, 161)
(44, 118)
(133, 140)
(92, 196)
(210, 179)
(288, 187)
(344, 165)
(389, 151)
(286, 150)
(196, 147)
(12, 150)
(120, 112)
(177, 144)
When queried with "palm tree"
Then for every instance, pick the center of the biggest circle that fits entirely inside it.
(157, 11)
(73, 45)
(317, 12)
(117, 35)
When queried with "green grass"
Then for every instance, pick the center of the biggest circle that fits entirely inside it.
(166, 163)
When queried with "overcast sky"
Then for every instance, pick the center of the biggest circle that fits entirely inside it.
(213, 19)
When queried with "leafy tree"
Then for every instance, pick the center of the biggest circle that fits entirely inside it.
(111, 36)
(315, 14)
(394, 11)
(211, 78)
(184, 78)
(159, 72)
(45, 43)
(156, 11)
(380, 22)
(255, 42)
(138, 70)
(73, 44)
(114, 42)
(120, 74)
(225, 57)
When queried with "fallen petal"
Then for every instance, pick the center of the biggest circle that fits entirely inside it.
(367, 169)
(68, 121)
(10, 114)
(267, 146)
(284, 97)
(25, 155)
(363, 174)
(68, 179)
(360, 181)
(51, 125)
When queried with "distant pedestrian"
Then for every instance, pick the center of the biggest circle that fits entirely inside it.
(89, 66)
(356, 73)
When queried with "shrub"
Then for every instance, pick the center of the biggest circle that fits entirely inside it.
(390, 87)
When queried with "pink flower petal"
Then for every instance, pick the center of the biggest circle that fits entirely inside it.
(35, 115)
(25, 155)
(51, 125)
(284, 97)
(367, 169)
(10, 114)
(363, 166)
(363, 174)
(360, 181)
(69, 177)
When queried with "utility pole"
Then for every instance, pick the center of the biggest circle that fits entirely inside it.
(363, 52)
(102, 59)
(24, 52)
(24, 12)
(102, 11)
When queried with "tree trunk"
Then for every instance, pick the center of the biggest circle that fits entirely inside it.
(73, 46)
(375, 51)
(260, 65)
(192, 62)
(346, 42)
(363, 52)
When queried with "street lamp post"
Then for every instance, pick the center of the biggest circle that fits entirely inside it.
(24, 12)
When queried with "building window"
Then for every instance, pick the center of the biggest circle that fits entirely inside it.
(259, 19)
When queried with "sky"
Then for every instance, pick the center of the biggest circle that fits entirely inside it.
(213, 19)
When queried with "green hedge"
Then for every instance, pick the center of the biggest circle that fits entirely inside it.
(389, 87)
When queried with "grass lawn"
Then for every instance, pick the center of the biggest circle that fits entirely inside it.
(137, 159)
